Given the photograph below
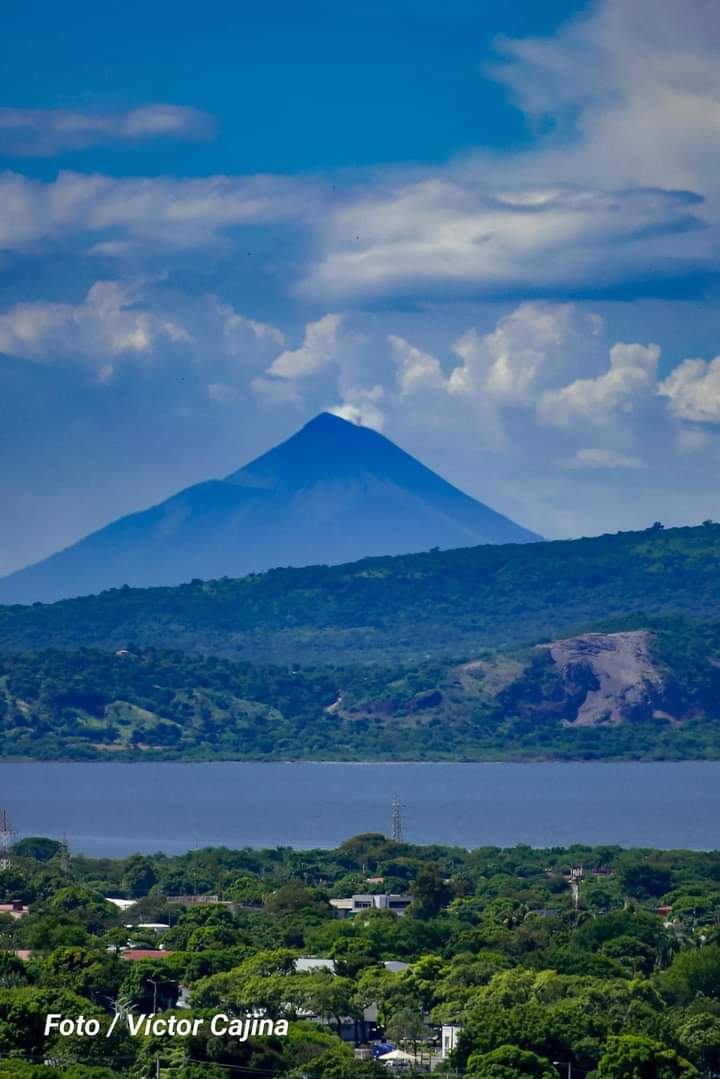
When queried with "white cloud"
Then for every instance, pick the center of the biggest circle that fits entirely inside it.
(463, 232)
(630, 377)
(136, 319)
(417, 370)
(626, 90)
(603, 458)
(141, 214)
(529, 348)
(693, 389)
(622, 189)
(44, 132)
(319, 349)
(106, 324)
(360, 406)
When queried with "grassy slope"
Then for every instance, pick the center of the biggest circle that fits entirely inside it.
(96, 704)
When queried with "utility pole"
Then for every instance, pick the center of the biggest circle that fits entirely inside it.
(576, 876)
(7, 835)
(397, 822)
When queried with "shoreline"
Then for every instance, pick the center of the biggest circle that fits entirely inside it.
(365, 763)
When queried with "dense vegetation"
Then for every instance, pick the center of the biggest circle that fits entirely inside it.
(626, 986)
(149, 703)
(441, 603)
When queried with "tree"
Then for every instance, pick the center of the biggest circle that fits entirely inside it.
(295, 896)
(92, 974)
(406, 1026)
(329, 996)
(13, 971)
(87, 905)
(45, 932)
(693, 973)
(643, 880)
(510, 1062)
(699, 1037)
(635, 1056)
(431, 893)
(139, 876)
(150, 984)
(37, 847)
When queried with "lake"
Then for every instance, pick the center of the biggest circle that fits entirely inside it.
(114, 809)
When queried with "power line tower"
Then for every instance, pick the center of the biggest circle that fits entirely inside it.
(7, 835)
(397, 820)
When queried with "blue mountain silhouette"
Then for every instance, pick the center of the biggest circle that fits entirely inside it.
(334, 492)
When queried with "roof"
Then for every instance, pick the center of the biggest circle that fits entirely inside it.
(121, 904)
(306, 962)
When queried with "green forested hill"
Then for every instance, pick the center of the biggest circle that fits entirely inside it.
(409, 607)
(93, 704)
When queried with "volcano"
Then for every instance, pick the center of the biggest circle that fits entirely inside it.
(334, 492)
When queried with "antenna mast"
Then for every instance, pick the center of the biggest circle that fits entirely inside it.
(7, 835)
(397, 821)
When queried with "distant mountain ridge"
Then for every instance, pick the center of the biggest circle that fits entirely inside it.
(405, 608)
(332, 493)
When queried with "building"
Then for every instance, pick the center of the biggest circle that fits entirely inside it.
(365, 901)
(306, 964)
(448, 1039)
(16, 909)
(121, 904)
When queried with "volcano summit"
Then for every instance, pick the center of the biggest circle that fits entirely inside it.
(334, 492)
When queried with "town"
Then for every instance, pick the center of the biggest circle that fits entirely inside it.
(380, 956)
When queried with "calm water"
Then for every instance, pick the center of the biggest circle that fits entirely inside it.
(113, 809)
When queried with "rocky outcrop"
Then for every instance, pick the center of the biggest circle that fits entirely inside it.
(610, 677)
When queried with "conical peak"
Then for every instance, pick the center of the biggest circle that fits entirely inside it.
(327, 447)
(328, 423)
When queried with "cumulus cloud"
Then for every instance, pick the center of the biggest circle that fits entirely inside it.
(318, 350)
(693, 390)
(105, 325)
(135, 319)
(603, 458)
(630, 377)
(417, 370)
(44, 132)
(528, 348)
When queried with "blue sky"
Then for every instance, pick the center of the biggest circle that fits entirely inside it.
(488, 229)
(291, 87)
